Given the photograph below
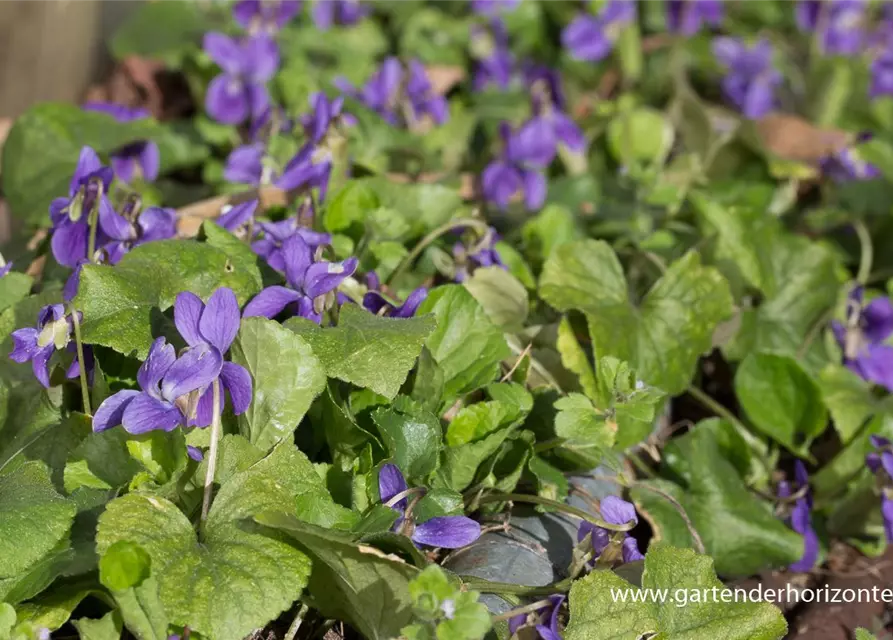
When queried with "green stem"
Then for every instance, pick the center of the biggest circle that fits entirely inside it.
(212, 453)
(867, 255)
(486, 586)
(559, 506)
(431, 237)
(82, 367)
(296, 623)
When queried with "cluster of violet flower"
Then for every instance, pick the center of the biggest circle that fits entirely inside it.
(617, 511)
(881, 464)
(178, 391)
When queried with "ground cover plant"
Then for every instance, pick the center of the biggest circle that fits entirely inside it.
(452, 320)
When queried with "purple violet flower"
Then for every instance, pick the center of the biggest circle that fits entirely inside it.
(493, 7)
(323, 114)
(397, 94)
(341, 12)
(447, 532)
(846, 165)
(170, 387)
(882, 73)
(484, 255)
(875, 461)
(863, 336)
(495, 61)
(800, 519)
(548, 128)
(37, 344)
(614, 510)
(196, 454)
(213, 327)
(516, 171)
(237, 218)
(141, 159)
(245, 165)
(591, 38)
(239, 92)
(71, 215)
(265, 15)
(840, 24)
(275, 234)
(308, 283)
(544, 619)
(4, 267)
(375, 302)
(544, 80)
(154, 223)
(687, 17)
(751, 81)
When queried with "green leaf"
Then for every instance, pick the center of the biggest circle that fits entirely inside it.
(234, 579)
(459, 464)
(501, 295)
(780, 399)
(163, 30)
(582, 425)
(574, 358)
(597, 614)
(34, 519)
(550, 481)
(14, 286)
(32, 177)
(108, 627)
(367, 350)
(739, 530)
(424, 206)
(413, 438)
(631, 405)
(466, 344)
(662, 338)
(353, 203)
(848, 399)
(864, 634)
(122, 304)
(287, 376)
(125, 569)
(549, 229)
(640, 135)
(350, 582)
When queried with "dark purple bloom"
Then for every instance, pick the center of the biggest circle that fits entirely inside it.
(245, 165)
(493, 7)
(447, 532)
(323, 114)
(545, 619)
(240, 92)
(196, 454)
(485, 254)
(495, 61)
(310, 168)
(882, 73)
(846, 165)
(614, 510)
(592, 38)
(265, 15)
(4, 267)
(71, 215)
(751, 80)
(840, 24)
(862, 338)
(876, 461)
(375, 302)
(549, 127)
(516, 171)
(235, 218)
(152, 224)
(275, 234)
(308, 283)
(545, 81)
(169, 390)
(400, 95)
(343, 12)
(213, 327)
(53, 331)
(688, 16)
(800, 519)
(141, 159)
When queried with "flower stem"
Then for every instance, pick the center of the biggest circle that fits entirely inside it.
(527, 608)
(296, 623)
(480, 225)
(867, 255)
(82, 366)
(212, 454)
(560, 506)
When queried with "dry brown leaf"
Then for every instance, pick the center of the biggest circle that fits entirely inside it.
(792, 138)
(444, 77)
